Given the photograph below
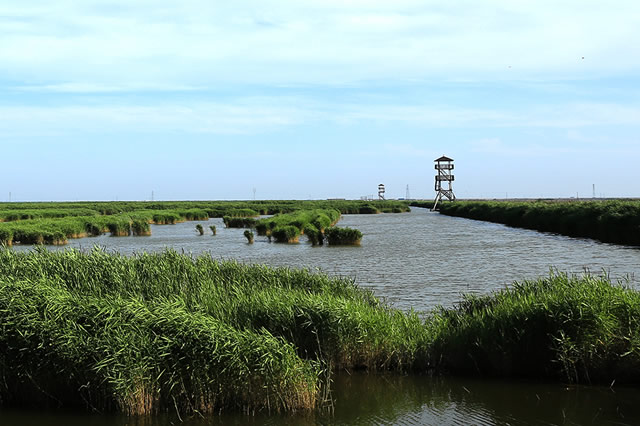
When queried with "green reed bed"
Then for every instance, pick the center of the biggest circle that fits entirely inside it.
(217, 208)
(610, 221)
(343, 236)
(288, 227)
(573, 329)
(26, 214)
(59, 230)
(156, 332)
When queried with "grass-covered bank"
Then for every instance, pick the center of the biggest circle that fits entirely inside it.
(608, 221)
(167, 331)
(573, 329)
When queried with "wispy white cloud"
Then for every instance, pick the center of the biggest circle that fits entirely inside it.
(198, 42)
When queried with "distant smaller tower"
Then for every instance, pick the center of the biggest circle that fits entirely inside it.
(444, 166)
(381, 191)
(408, 194)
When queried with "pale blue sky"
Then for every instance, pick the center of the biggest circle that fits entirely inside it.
(316, 99)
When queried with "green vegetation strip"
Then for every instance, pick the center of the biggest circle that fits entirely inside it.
(166, 331)
(609, 221)
(55, 223)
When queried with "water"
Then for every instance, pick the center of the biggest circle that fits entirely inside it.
(414, 260)
(417, 260)
(365, 399)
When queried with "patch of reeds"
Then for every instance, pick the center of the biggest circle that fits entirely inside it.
(343, 236)
(140, 227)
(578, 329)
(213, 229)
(313, 234)
(609, 221)
(286, 234)
(249, 236)
(289, 226)
(199, 229)
(154, 332)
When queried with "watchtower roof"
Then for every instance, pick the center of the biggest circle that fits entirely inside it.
(443, 158)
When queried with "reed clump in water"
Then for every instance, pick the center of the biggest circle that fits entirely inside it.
(213, 229)
(249, 236)
(288, 227)
(199, 229)
(140, 227)
(315, 236)
(286, 234)
(343, 236)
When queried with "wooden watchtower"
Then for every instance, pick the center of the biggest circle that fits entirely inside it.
(381, 191)
(444, 166)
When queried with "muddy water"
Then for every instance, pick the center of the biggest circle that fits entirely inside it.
(416, 260)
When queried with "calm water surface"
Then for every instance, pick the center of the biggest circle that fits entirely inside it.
(416, 260)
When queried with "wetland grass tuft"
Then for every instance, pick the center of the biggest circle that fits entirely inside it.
(140, 227)
(315, 236)
(286, 234)
(249, 236)
(213, 229)
(200, 229)
(343, 236)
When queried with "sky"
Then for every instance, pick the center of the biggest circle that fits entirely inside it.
(212, 100)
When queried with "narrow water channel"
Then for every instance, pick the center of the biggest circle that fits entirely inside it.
(415, 261)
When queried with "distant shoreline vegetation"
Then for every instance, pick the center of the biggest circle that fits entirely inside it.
(56, 223)
(612, 221)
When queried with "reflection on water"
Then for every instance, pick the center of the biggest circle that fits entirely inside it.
(385, 399)
(415, 260)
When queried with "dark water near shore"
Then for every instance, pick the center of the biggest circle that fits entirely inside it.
(416, 260)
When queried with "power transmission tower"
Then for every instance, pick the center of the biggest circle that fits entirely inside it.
(408, 194)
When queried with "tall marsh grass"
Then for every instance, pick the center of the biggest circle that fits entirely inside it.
(166, 331)
(569, 328)
(609, 221)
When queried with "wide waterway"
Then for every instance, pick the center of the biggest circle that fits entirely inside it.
(415, 260)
